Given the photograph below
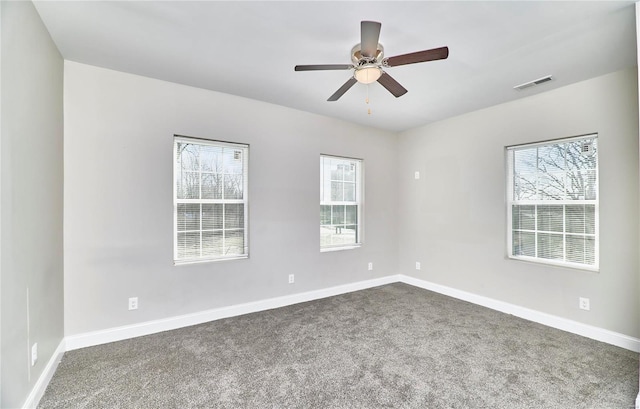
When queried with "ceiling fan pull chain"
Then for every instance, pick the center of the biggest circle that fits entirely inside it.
(367, 101)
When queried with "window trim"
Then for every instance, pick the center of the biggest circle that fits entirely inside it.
(359, 202)
(509, 201)
(245, 200)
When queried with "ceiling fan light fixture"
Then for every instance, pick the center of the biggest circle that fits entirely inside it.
(367, 74)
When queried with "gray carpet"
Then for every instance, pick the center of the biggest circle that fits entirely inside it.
(394, 346)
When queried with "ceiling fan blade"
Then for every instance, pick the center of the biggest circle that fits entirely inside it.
(392, 85)
(369, 36)
(344, 88)
(323, 67)
(419, 56)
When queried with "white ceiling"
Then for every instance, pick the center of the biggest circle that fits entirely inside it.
(250, 48)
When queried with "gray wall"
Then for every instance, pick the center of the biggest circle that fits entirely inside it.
(30, 199)
(118, 213)
(118, 206)
(453, 219)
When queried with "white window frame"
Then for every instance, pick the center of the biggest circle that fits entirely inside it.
(325, 200)
(244, 148)
(510, 202)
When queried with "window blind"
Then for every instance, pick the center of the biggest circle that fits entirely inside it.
(553, 202)
(210, 200)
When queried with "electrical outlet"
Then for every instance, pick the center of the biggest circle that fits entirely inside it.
(133, 303)
(370, 266)
(584, 304)
(34, 354)
(292, 278)
(417, 265)
(416, 175)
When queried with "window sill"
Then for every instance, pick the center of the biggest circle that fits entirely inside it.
(539, 261)
(178, 263)
(329, 249)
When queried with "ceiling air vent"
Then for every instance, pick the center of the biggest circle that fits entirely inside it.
(533, 83)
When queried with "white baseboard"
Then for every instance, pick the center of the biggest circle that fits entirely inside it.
(152, 327)
(43, 381)
(638, 401)
(589, 331)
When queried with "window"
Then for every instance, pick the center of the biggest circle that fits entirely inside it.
(210, 200)
(340, 202)
(553, 202)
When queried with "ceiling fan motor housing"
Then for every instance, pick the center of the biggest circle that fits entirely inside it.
(357, 58)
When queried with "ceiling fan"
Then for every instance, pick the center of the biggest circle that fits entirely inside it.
(369, 61)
